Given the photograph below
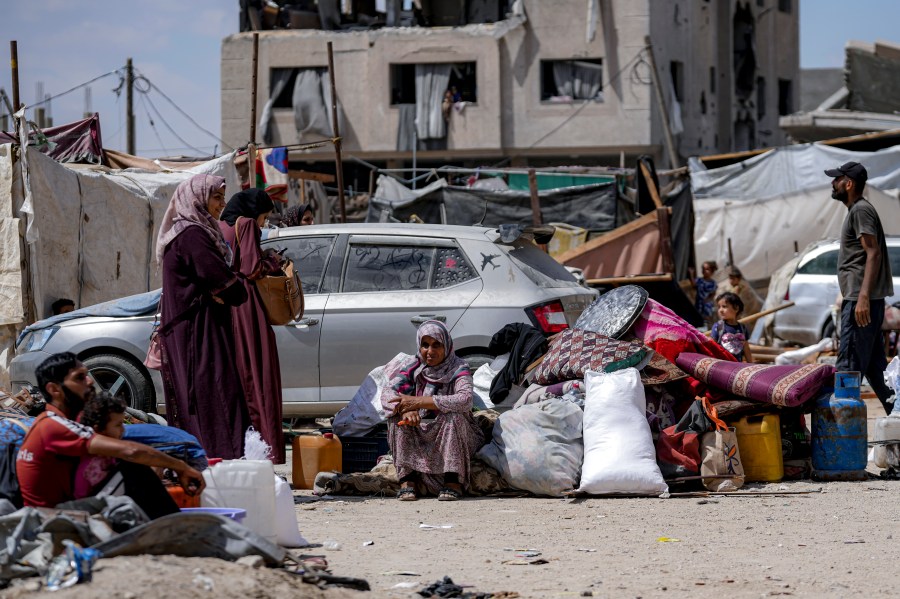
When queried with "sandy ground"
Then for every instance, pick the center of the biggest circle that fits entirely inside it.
(839, 540)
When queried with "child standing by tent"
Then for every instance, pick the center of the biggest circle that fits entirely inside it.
(728, 332)
(706, 289)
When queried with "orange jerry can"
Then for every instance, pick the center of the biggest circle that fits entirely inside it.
(314, 454)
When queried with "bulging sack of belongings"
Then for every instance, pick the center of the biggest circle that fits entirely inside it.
(618, 446)
(538, 447)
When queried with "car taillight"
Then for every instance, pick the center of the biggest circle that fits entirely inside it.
(787, 295)
(549, 317)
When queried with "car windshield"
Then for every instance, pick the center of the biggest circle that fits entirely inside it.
(539, 266)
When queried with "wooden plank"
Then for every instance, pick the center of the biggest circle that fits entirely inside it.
(608, 237)
(654, 193)
(535, 198)
(308, 176)
(631, 280)
(665, 240)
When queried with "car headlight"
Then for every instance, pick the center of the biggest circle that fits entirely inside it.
(36, 340)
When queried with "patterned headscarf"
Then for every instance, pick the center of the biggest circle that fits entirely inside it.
(452, 367)
(294, 215)
(188, 209)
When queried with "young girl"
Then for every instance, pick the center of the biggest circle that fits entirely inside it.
(706, 289)
(728, 332)
(106, 415)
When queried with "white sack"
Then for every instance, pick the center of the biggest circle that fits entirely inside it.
(365, 412)
(619, 456)
(482, 379)
(286, 516)
(538, 447)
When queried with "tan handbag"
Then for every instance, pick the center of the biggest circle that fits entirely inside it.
(721, 467)
(281, 295)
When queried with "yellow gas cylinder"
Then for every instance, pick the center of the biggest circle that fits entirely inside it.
(759, 440)
(314, 454)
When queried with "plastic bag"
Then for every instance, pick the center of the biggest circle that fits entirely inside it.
(364, 412)
(538, 447)
(892, 374)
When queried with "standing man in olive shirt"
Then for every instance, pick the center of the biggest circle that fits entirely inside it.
(864, 276)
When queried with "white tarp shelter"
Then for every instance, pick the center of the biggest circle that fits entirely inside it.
(85, 233)
(768, 202)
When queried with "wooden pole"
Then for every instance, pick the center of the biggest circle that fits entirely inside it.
(535, 198)
(253, 85)
(730, 254)
(665, 241)
(758, 315)
(654, 193)
(338, 163)
(130, 144)
(657, 87)
(14, 64)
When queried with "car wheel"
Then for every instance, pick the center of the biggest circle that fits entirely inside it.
(122, 378)
(476, 361)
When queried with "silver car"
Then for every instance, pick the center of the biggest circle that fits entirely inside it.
(814, 289)
(367, 288)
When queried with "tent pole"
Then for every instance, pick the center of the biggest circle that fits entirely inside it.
(670, 143)
(253, 84)
(14, 64)
(338, 163)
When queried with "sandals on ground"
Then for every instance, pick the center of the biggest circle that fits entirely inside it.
(407, 494)
(448, 494)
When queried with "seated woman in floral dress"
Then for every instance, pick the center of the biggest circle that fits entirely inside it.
(435, 384)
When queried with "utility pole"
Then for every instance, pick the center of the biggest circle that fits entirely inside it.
(14, 63)
(129, 108)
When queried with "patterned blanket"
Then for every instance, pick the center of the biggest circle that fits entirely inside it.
(575, 351)
(788, 385)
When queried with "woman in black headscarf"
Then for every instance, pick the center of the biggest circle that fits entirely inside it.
(299, 215)
(255, 348)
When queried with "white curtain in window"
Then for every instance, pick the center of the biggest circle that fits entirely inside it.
(578, 79)
(431, 83)
(312, 104)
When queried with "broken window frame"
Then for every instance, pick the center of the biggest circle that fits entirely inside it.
(785, 97)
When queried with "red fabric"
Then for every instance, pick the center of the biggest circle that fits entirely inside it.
(256, 352)
(49, 456)
(670, 335)
(678, 453)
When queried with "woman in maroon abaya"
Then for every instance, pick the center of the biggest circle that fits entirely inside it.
(257, 354)
(203, 390)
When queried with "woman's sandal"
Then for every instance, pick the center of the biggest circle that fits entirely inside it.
(448, 494)
(407, 494)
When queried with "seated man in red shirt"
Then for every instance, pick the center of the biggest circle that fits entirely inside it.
(54, 446)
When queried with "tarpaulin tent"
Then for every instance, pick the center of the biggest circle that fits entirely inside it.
(771, 203)
(592, 207)
(86, 233)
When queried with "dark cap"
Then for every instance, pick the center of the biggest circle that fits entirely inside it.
(853, 170)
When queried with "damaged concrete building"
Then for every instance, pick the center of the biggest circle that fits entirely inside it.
(862, 98)
(547, 83)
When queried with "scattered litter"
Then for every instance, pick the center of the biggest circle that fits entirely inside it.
(587, 550)
(368, 543)
(446, 588)
(705, 501)
(537, 561)
(331, 545)
(528, 554)
(853, 541)
(432, 526)
(400, 573)
(668, 540)
(252, 561)
(204, 582)
(405, 585)
(520, 549)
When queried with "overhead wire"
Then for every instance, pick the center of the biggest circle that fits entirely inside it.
(156, 88)
(153, 125)
(79, 86)
(168, 126)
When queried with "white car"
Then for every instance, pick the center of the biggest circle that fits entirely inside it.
(814, 289)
